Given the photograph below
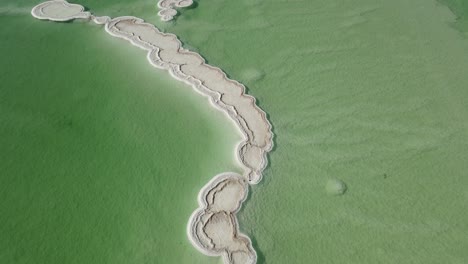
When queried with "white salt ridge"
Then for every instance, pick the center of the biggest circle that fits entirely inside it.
(167, 8)
(213, 227)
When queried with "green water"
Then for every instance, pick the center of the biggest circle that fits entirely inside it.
(372, 93)
(460, 9)
(101, 155)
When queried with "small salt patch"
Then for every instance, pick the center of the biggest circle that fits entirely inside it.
(335, 187)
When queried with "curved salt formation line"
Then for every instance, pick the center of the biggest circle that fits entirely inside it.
(165, 51)
(213, 228)
(167, 11)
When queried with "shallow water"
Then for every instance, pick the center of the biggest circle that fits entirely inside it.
(102, 156)
(371, 94)
(460, 9)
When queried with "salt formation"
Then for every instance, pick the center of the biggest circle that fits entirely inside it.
(167, 7)
(59, 10)
(213, 228)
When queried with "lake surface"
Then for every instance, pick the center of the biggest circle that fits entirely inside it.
(102, 156)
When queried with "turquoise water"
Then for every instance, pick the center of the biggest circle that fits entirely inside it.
(371, 93)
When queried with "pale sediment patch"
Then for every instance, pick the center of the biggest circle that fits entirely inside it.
(335, 187)
(213, 227)
(252, 75)
(167, 8)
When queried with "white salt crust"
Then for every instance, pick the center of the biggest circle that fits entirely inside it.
(167, 8)
(213, 228)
